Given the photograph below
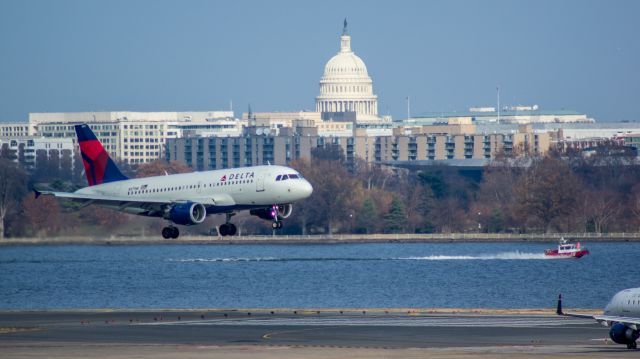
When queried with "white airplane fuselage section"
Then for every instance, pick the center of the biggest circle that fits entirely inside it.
(625, 303)
(219, 190)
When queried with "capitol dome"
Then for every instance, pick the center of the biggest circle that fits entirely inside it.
(345, 85)
(346, 64)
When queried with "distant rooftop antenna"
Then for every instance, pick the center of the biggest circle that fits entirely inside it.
(408, 108)
(498, 94)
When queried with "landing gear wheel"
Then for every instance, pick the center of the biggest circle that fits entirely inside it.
(232, 229)
(276, 225)
(223, 230)
(228, 229)
(633, 345)
(170, 232)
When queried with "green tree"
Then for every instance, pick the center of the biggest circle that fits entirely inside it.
(367, 217)
(12, 187)
(396, 220)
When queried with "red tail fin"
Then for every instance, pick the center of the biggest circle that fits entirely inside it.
(98, 166)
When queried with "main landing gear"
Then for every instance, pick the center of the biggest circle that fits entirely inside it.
(227, 228)
(170, 232)
(632, 345)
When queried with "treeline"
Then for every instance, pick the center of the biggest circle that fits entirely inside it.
(566, 192)
(556, 193)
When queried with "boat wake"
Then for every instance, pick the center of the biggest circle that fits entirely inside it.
(516, 255)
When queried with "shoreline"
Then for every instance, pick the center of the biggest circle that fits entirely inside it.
(311, 311)
(326, 239)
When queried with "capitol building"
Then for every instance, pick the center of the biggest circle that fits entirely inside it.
(346, 90)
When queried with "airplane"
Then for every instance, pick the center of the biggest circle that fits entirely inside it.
(622, 314)
(186, 199)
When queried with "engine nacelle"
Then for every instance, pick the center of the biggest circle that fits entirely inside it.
(275, 212)
(188, 213)
(284, 210)
(622, 334)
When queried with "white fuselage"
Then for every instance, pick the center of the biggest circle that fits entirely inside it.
(219, 190)
(625, 303)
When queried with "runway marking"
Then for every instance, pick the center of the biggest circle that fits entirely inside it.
(389, 321)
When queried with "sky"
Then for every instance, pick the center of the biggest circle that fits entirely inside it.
(157, 55)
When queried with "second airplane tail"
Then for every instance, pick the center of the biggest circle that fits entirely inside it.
(98, 166)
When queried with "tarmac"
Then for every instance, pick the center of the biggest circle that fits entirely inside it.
(305, 333)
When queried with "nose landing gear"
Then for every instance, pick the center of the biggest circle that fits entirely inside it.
(276, 225)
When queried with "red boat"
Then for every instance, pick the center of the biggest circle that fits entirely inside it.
(566, 250)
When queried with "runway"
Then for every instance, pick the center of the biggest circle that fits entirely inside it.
(283, 334)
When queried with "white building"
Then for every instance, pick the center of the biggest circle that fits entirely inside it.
(507, 115)
(14, 129)
(135, 137)
(26, 149)
(346, 86)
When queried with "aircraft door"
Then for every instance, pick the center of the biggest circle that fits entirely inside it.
(260, 183)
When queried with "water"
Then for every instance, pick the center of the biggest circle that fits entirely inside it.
(464, 275)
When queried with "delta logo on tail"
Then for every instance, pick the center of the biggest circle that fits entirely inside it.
(98, 166)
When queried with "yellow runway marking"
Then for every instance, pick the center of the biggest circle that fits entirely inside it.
(18, 330)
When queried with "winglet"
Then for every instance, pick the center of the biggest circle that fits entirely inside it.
(559, 308)
(38, 193)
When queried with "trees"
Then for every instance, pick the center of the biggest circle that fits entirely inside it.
(366, 217)
(40, 217)
(161, 167)
(395, 220)
(336, 195)
(12, 187)
(546, 192)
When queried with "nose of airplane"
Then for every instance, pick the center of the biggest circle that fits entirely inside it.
(305, 188)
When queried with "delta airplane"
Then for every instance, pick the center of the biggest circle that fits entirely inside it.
(622, 314)
(187, 198)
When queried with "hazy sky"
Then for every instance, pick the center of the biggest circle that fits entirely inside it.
(200, 55)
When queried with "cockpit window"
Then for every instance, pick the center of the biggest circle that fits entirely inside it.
(289, 176)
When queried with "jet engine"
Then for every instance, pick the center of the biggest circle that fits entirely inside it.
(622, 334)
(188, 213)
(275, 212)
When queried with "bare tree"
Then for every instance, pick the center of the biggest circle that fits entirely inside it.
(547, 192)
(160, 167)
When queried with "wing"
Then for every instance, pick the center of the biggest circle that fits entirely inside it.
(607, 320)
(146, 206)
